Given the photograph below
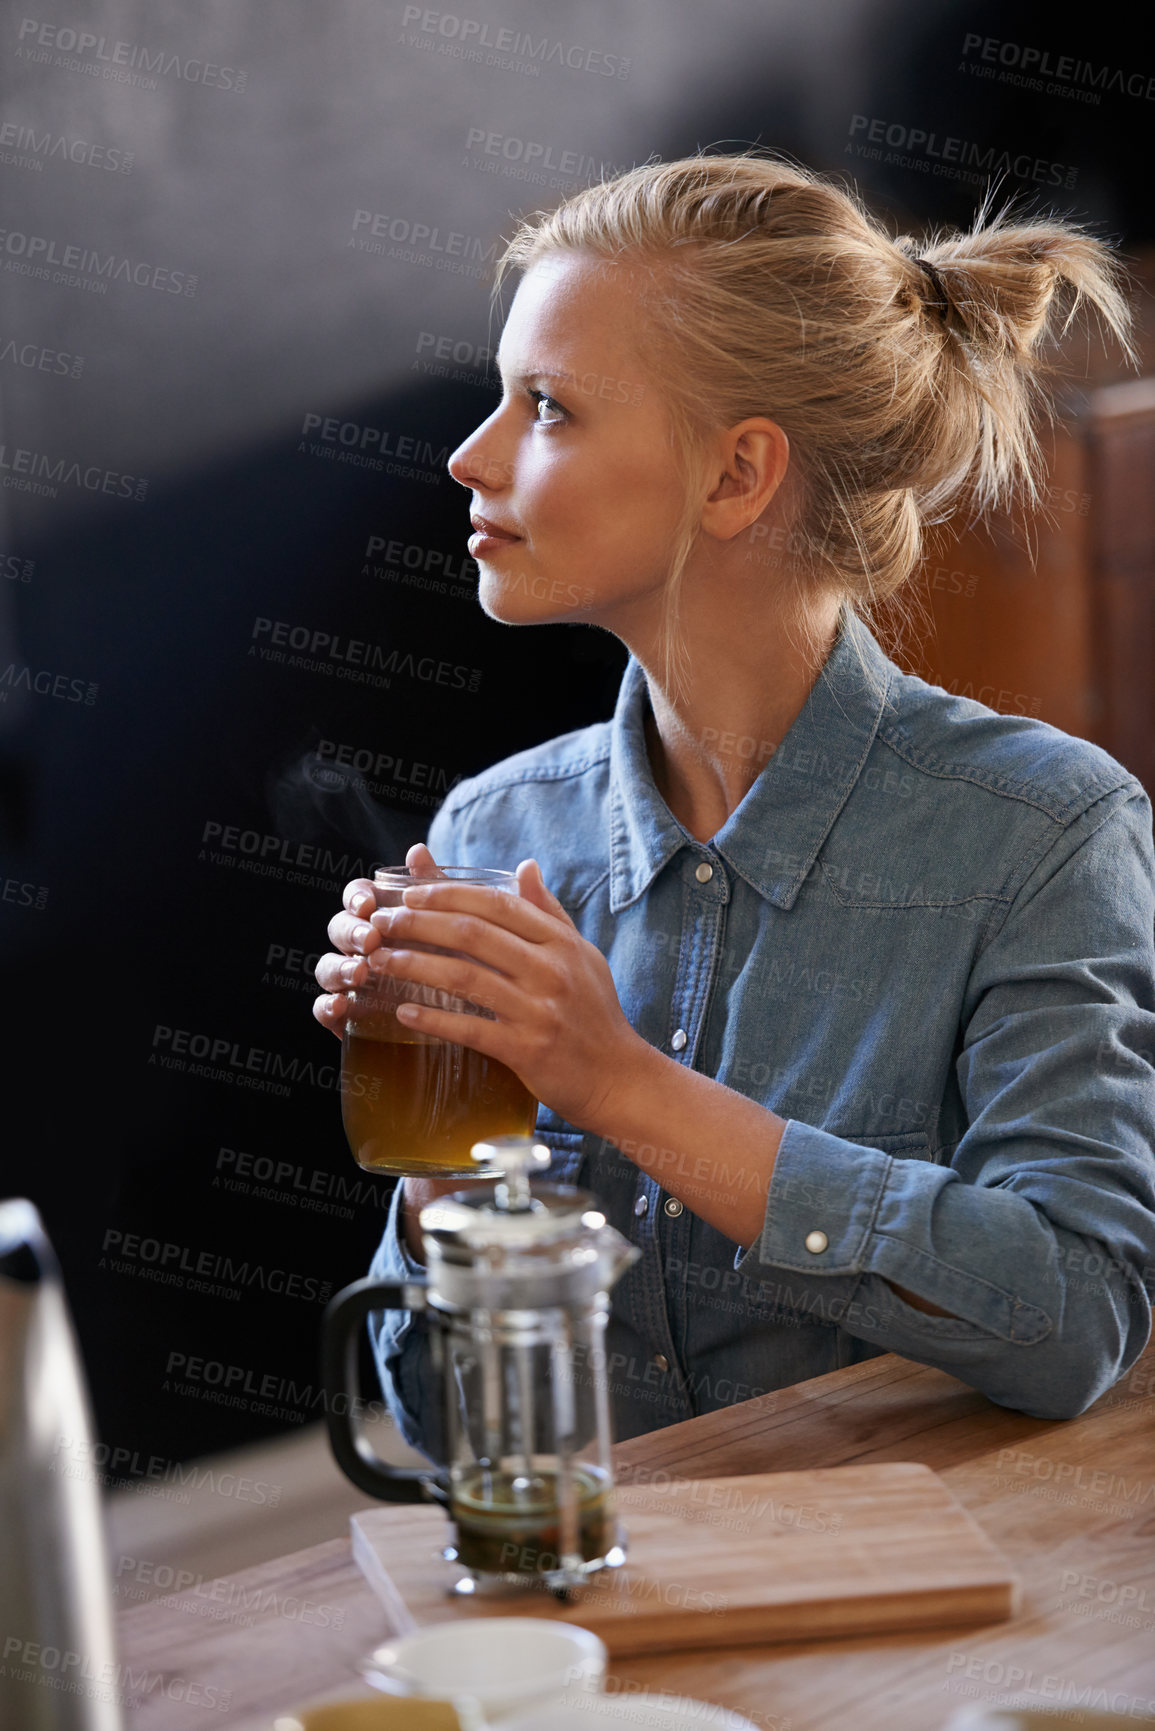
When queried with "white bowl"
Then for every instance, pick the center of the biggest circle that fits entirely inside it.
(642, 1711)
(504, 1664)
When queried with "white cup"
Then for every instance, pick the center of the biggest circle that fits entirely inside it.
(497, 1665)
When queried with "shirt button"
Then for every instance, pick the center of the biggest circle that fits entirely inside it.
(679, 1040)
(816, 1242)
(661, 1361)
(641, 1205)
(672, 1207)
(704, 872)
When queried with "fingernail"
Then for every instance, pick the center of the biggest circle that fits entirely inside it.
(360, 933)
(349, 971)
(379, 961)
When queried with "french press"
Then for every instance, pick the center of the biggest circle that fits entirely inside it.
(517, 1296)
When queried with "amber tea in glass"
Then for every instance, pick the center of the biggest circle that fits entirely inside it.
(411, 1103)
(509, 1522)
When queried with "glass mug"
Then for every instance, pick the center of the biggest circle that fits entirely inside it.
(412, 1103)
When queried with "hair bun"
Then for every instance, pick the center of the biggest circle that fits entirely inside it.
(942, 301)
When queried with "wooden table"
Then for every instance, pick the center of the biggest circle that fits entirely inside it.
(1072, 1505)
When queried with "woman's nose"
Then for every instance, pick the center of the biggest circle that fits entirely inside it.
(479, 461)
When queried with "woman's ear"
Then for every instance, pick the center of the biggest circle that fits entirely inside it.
(754, 458)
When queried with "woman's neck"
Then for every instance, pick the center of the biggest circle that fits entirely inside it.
(708, 744)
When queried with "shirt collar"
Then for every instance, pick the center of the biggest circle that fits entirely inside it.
(773, 838)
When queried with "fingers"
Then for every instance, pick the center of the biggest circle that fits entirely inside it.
(497, 908)
(479, 938)
(480, 986)
(343, 973)
(331, 1010)
(357, 941)
(477, 1032)
(359, 897)
(421, 862)
(532, 887)
(352, 935)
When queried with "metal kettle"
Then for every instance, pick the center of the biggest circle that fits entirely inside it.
(58, 1664)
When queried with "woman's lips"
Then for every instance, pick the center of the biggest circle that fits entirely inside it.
(485, 542)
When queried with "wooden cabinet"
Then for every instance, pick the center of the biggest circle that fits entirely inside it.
(1054, 615)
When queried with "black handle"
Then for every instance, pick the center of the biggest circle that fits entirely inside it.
(343, 1320)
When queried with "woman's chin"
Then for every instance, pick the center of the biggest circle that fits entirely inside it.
(524, 601)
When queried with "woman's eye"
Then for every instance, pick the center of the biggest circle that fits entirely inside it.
(540, 399)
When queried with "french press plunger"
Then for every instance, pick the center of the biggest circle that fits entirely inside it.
(516, 1295)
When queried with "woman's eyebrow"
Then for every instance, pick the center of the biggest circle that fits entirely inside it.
(534, 373)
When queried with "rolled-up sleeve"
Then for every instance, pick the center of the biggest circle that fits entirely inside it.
(1037, 1233)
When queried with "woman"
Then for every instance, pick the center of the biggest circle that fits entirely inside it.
(837, 990)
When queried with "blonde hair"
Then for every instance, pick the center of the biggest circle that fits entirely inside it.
(772, 290)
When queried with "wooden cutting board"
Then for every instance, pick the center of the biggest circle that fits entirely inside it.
(727, 1562)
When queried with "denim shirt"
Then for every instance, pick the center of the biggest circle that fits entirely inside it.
(925, 939)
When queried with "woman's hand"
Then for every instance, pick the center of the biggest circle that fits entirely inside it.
(559, 1025)
(360, 945)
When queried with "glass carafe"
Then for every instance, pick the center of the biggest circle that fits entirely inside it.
(517, 1298)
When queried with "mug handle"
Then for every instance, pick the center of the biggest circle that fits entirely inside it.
(346, 1313)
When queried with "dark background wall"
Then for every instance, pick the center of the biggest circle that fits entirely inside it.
(189, 294)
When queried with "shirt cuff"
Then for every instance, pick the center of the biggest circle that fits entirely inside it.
(822, 1204)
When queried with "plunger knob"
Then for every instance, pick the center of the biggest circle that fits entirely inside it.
(517, 1157)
